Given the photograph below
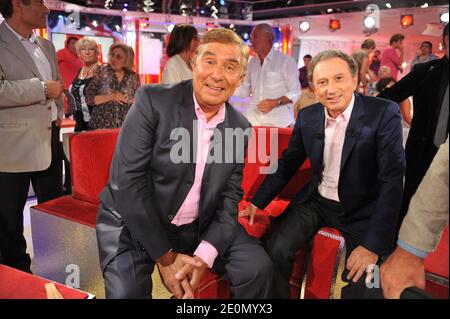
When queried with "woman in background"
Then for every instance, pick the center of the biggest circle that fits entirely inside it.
(87, 51)
(362, 59)
(183, 43)
(113, 87)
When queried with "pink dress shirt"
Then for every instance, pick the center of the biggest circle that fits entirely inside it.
(188, 211)
(332, 153)
(391, 59)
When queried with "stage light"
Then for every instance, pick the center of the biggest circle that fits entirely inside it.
(406, 20)
(304, 26)
(329, 10)
(335, 24)
(444, 17)
(425, 5)
(388, 5)
(371, 21)
(222, 2)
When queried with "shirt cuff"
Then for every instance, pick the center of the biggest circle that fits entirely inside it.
(207, 252)
(410, 249)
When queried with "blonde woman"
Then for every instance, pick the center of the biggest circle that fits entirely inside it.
(112, 89)
(87, 51)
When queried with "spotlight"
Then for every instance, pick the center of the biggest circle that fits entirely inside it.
(371, 21)
(388, 5)
(304, 26)
(425, 5)
(406, 20)
(335, 24)
(444, 17)
(329, 10)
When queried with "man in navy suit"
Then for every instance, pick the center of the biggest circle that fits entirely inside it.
(354, 144)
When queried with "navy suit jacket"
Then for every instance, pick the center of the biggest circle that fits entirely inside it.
(372, 168)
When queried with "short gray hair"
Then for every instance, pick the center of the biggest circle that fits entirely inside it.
(331, 54)
(86, 42)
(266, 28)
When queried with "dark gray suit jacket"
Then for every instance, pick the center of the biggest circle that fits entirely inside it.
(146, 188)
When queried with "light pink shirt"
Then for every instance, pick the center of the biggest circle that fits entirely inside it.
(391, 59)
(332, 153)
(188, 211)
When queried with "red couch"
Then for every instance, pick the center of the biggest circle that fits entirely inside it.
(63, 229)
(16, 284)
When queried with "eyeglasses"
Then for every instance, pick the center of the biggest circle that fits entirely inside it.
(88, 49)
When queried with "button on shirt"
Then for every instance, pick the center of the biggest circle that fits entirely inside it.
(40, 60)
(189, 210)
(332, 153)
(277, 77)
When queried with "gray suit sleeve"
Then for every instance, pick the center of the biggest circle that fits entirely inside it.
(21, 92)
(129, 183)
(428, 211)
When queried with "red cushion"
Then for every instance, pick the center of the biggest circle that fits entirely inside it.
(90, 158)
(262, 221)
(323, 262)
(437, 261)
(16, 284)
(212, 286)
(70, 208)
(261, 138)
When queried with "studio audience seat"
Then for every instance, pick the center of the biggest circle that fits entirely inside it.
(16, 284)
(63, 229)
(436, 269)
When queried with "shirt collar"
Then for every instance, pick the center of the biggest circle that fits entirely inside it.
(344, 116)
(216, 120)
(32, 37)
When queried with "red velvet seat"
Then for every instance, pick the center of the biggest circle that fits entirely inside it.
(16, 284)
(436, 267)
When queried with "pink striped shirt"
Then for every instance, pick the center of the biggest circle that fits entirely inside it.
(332, 153)
(188, 211)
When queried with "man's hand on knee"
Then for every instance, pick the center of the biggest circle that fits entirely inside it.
(358, 261)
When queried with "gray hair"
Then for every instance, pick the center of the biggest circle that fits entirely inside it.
(331, 54)
(86, 42)
(266, 28)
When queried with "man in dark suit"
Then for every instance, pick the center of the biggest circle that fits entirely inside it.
(162, 206)
(354, 144)
(428, 84)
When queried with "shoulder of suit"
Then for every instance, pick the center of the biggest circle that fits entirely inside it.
(235, 117)
(376, 103)
(428, 66)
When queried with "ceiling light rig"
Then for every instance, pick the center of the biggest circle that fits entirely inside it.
(108, 4)
(406, 20)
(335, 24)
(371, 22)
(304, 26)
(148, 6)
(443, 17)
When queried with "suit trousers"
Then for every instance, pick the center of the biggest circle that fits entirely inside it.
(293, 229)
(246, 264)
(14, 188)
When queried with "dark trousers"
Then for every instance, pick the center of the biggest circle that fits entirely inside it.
(246, 265)
(14, 188)
(292, 231)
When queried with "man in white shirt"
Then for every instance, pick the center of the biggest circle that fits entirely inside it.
(31, 109)
(272, 81)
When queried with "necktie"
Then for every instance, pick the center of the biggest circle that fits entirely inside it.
(441, 127)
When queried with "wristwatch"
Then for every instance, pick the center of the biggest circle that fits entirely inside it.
(280, 101)
(44, 85)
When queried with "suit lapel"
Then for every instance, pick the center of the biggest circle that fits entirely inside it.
(40, 43)
(16, 48)
(353, 129)
(317, 125)
(186, 112)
